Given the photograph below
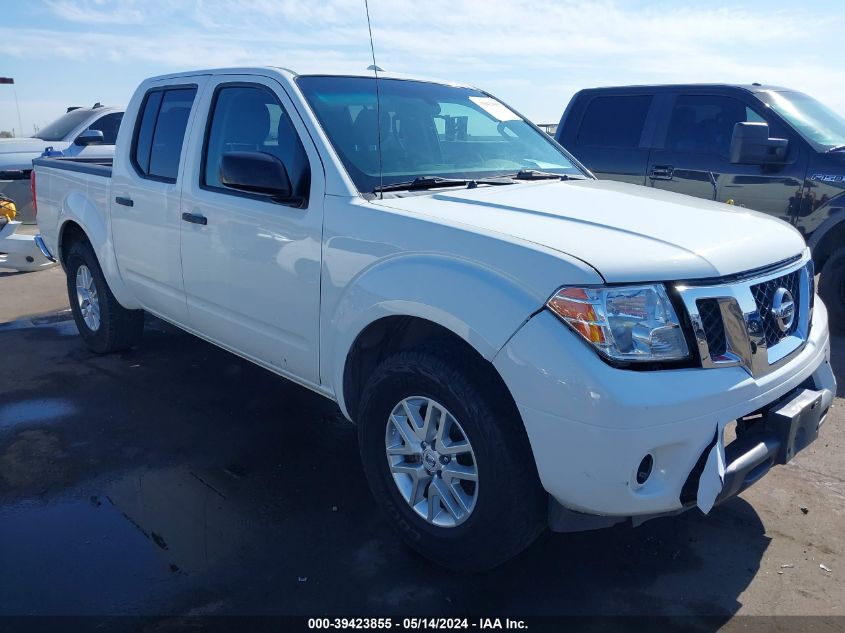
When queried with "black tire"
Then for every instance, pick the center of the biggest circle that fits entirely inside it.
(832, 289)
(119, 328)
(511, 506)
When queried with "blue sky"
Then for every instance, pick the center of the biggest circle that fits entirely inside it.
(533, 54)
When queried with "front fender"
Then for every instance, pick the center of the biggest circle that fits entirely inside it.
(481, 305)
(381, 262)
(822, 234)
(825, 218)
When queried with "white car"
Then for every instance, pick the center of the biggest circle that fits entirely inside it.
(87, 133)
(519, 343)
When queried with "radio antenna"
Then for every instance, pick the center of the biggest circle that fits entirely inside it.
(375, 70)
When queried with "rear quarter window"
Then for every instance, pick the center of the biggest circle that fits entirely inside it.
(614, 121)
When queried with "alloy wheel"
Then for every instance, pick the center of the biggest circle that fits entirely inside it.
(432, 461)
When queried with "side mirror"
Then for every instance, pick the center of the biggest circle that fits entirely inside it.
(751, 145)
(89, 137)
(255, 172)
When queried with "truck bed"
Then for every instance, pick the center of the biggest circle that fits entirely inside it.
(94, 166)
(78, 187)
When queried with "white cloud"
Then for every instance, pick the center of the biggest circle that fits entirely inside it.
(532, 53)
(99, 12)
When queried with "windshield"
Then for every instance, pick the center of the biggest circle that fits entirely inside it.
(427, 129)
(818, 124)
(64, 125)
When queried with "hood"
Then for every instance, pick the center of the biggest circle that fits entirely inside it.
(17, 153)
(628, 233)
(836, 157)
(830, 163)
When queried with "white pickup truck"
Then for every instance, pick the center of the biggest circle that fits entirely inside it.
(519, 343)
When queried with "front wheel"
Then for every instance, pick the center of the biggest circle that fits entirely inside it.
(832, 289)
(448, 460)
(104, 324)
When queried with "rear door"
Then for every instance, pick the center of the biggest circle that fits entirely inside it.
(692, 155)
(612, 135)
(145, 204)
(251, 264)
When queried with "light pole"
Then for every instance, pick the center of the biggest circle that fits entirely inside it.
(9, 80)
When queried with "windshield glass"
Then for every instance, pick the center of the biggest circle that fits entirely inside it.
(427, 129)
(817, 123)
(64, 125)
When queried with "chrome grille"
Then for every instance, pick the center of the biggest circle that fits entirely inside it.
(714, 328)
(764, 296)
(733, 320)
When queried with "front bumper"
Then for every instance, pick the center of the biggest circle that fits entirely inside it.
(775, 437)
(590, 425)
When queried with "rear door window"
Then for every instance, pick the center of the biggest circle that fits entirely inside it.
(704, 124)
(614, 121)
(160, 132)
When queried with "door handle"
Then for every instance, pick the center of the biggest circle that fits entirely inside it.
(195, 218)
(661, 172)
(126, 202)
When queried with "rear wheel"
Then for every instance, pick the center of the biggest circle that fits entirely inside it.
(832, 289)
(448, 460)
(104, 324)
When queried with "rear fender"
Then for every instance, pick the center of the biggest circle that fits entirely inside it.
(94, 222)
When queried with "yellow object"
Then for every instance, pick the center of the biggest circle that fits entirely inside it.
(8, 208)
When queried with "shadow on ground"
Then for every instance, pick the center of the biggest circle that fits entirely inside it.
(177, 478)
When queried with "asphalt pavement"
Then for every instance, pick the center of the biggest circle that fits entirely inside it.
(179, 479)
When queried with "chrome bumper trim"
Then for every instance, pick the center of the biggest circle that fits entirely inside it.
(39, 242)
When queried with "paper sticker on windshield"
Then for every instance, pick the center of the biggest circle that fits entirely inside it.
(495, 109)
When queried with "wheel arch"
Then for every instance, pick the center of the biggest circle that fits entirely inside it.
(74, 227)
(389, 335)
(70, 233)
(413, 295)
(827, 238)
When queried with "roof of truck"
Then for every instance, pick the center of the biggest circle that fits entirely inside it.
(96, 108)
(752, 87)
(250, 70)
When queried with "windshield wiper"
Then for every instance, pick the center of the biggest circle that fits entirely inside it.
(533, 174)
(422, 182)
(838, 148)
(430, 182)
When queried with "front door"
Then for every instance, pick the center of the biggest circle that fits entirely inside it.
(694, 157)
(108, 124)
(251, 263)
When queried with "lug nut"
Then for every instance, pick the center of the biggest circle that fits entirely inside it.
(422, 444)
(445, 459)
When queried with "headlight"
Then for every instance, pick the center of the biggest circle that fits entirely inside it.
(626, 323)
